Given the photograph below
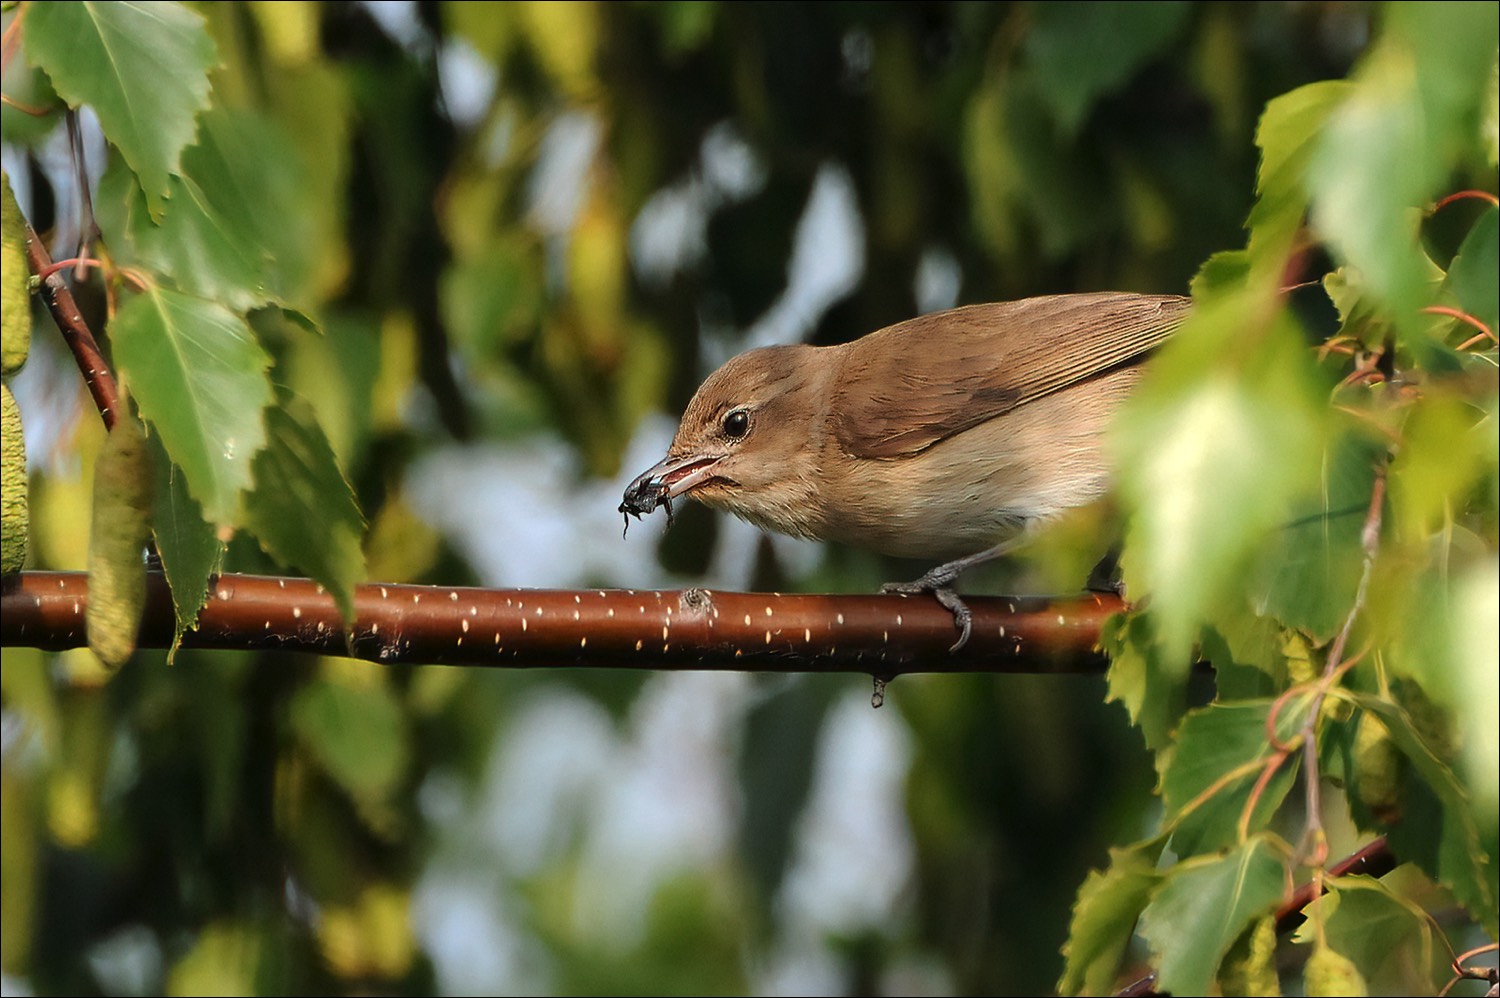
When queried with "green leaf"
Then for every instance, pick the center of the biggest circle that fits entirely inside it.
(1458, 858)
(356, 731)
(1203, 907)
(1445, 452)
(1082, 51)
(142, 67)
(232, 230)
(1474, 634)
(1387, 937)
(1474, 276)
(1221, 436)
(1151, 688)
(1104, 917)
(302, 510)
(1416, 106)
(1287, 135)
(189, 547)
(1246, 653)
(1212, 742)
(1309, 567)
(199, 378)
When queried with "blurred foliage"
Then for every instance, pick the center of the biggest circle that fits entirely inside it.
(341, 238)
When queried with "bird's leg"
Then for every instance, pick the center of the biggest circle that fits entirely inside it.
(1105, 578)
(939, 582)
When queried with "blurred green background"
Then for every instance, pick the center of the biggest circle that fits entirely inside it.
(528, 230)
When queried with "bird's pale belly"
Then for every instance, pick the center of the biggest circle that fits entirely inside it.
(978, 488)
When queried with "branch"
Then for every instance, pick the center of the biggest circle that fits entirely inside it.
(883, 635)
(80, 339)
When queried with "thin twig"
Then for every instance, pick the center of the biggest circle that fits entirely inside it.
(1465, 195)
(80, 339)
(1332, 669)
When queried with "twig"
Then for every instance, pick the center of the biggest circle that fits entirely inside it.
(80, 339)
(1485, 332)
(1463, 972)
(1464, 195)
(1332, 669)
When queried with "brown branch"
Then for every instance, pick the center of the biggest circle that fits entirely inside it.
(80, 339)
(883, 635)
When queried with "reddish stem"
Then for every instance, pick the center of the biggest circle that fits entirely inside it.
(80, 339)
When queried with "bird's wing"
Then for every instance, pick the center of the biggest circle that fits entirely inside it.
(910, 385)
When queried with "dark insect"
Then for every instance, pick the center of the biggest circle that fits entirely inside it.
(641, 499)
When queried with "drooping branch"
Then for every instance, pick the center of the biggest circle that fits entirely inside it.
(698, 629)
(80, 339)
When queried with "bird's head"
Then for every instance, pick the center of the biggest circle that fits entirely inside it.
(748, 442)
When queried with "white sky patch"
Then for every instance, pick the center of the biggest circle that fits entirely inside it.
(938, 280)
(468, 81)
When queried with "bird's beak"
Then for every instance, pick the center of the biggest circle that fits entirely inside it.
(666, 480)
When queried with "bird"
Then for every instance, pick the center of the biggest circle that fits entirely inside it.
(951, 436)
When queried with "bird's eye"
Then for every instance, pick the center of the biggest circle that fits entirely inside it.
(737, 424)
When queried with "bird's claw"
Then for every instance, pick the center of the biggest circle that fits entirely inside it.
(941, 589)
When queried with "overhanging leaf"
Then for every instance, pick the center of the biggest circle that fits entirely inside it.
(142, 67)
(1213, 743)
(1150, 688)
(302, 510)
(189, 547)
(1388, 937)
(232, 230)
(1109, 904)
(199, 378)
(1221, 436)
(1462, 864)
(1203, 907)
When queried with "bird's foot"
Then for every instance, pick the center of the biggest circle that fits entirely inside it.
(939, 582)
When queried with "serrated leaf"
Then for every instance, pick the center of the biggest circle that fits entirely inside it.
(1151, 689)
(1287, 136)
(355, 731)
(1104, 917)
(199, 378)
(1203, 907)
(142, 67)
(1417, 100)
(302, 510)
(1388, 938)
(1246, 653)
(1462, 864)
(189, 546)
(232, 230)
(1203, 804)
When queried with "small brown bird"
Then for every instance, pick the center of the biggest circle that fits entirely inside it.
(947, 436)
